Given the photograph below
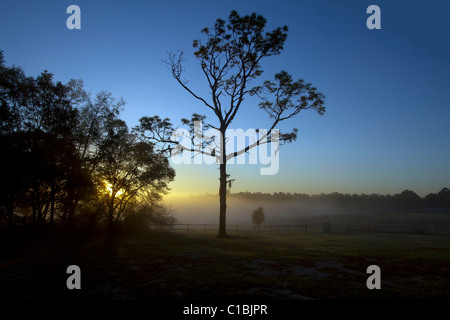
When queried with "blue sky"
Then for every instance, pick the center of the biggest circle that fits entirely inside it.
(387, 91)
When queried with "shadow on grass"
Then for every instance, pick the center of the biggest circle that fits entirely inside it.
(245, 266)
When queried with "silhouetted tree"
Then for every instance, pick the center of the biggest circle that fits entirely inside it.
(37, 121)
(439, 202)
(444, 199)
(230, 60)
(91, 139)
(258, 216)
(409, 200)
(13, 185)
(12, 140)
(129, 166)
(59, 146)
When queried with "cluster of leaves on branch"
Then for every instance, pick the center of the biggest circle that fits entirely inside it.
(230, 60)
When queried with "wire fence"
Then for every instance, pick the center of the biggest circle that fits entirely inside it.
(325, 227)
(199, 227)
(388, 228)
(195, 227)
(282, 228)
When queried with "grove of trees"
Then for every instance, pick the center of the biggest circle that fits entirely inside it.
(67, 157)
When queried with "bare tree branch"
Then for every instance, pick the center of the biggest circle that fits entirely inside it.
(175, 65)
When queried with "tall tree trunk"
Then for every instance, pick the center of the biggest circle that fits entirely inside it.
(52, 203)
(111, 209)
(39, 207)
(10, 214)
(71, 212)
(34, 216)
(223, 186)
(223, 201)
(44, 213)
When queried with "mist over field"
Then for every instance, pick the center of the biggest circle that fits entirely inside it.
(205, 209)
(403, 212)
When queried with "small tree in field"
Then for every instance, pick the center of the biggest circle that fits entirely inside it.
(258, 216)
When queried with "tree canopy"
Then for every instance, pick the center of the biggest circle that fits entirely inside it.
(258, 216)
(61, 147)
(230, 59)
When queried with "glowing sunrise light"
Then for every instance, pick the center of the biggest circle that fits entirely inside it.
(108, 187)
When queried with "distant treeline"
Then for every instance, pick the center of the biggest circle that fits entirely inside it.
(406, 201)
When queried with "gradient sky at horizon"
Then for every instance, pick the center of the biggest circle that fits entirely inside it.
(387, 124)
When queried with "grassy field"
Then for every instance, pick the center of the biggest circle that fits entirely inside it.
(246, 266)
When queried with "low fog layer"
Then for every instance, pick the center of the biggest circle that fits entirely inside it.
(205, 210)
(286, 208)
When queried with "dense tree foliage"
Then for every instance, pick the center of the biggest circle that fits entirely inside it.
(258, 216)
(68, 156)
